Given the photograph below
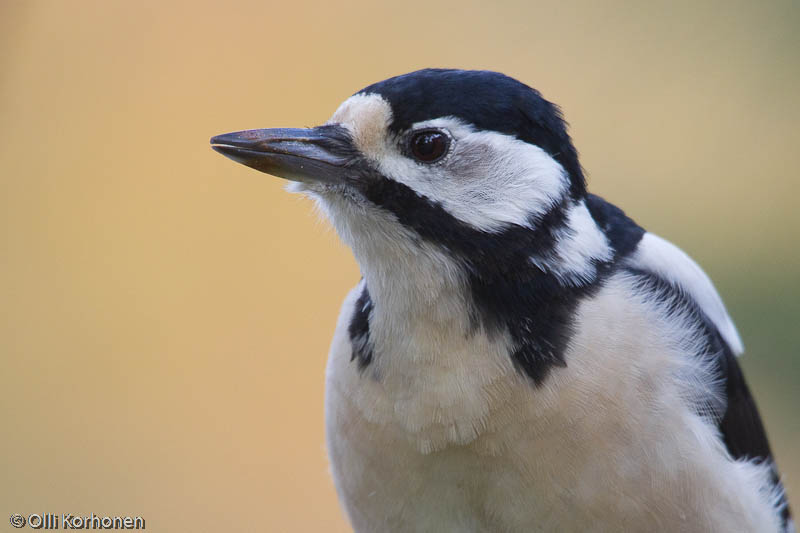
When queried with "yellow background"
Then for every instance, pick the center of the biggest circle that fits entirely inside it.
(165, 313)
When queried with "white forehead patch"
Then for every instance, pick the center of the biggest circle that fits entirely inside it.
(367, 117)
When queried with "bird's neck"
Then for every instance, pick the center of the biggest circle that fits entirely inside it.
(406, 276)
(409, 276)
(415, 282)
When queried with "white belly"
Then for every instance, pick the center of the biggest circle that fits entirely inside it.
(457, 440)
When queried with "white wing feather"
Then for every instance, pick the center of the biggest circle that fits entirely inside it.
(664, 259)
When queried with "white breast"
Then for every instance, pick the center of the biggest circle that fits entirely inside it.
(442, 434)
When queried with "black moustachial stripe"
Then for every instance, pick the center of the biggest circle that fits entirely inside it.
(738, 419)
(359, 330)
(489, 101)
(509, 293)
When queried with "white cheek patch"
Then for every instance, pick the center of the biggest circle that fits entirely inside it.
(367, 117)
(489, 180)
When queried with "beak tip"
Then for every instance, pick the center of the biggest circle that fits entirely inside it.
(291, 153)
(220, 139)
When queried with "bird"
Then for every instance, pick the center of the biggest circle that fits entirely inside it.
(519, 354)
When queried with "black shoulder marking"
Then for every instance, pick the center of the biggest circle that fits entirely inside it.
(359, 330)
(487, 100)
(739, 423)
(492, 254)
(539, 313)
(622, 232)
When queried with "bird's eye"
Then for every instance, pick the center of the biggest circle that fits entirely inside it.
(429, 145)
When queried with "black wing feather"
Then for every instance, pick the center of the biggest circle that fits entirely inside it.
(740, 424)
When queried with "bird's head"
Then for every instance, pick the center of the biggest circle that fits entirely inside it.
(471, 164)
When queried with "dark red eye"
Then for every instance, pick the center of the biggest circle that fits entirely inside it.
(430, 145)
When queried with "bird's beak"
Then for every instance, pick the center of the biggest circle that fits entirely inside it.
(309, 155)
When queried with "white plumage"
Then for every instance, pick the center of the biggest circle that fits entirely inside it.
(663, 258)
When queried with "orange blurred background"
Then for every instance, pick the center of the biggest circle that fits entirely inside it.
(165, 313)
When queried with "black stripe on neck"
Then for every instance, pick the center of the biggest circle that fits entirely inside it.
(508, 292)
(359, 330)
